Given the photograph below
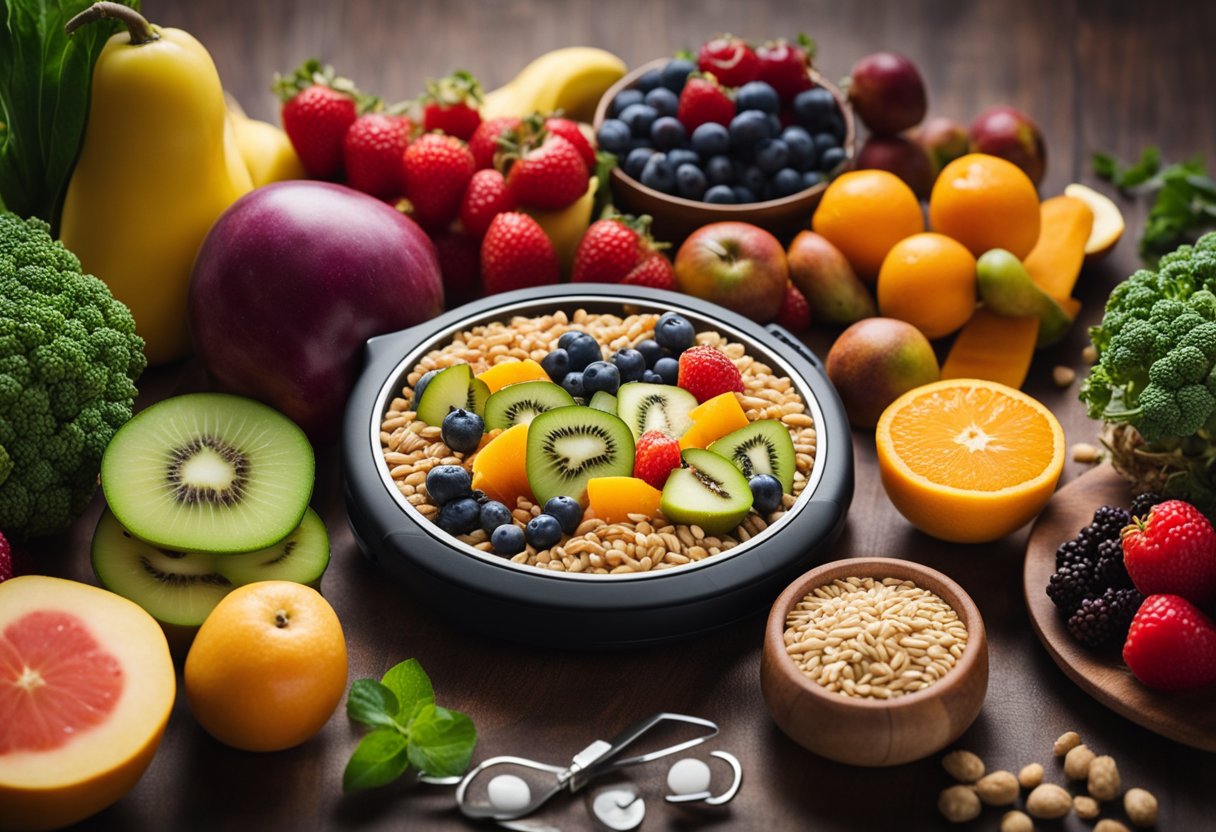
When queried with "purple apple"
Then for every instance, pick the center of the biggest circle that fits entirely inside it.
(735, 264)
(290, 282)
(887, 93)
(1012, 135)
(944, 139)
(902, 157)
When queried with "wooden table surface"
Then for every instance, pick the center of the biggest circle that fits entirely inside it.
(1095, 75)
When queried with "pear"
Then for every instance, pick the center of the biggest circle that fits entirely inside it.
(834, 292)
(1007, 289)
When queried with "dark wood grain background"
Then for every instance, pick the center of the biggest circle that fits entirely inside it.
(1095, 75)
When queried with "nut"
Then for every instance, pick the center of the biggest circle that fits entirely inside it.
(1048, 801)
(1076, 762)
(958, 804)
(1066, 742)
(1104, 781)
(1085, 453)
(1086, 807)
(1016, 822)
(963, 766)
(997, 789)
(1063, 376)
(1090, 354)
(1108, 825)
(1030, 776)
(1141, 807)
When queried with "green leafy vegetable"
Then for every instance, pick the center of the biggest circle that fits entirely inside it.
(44, 99)
(409, 729)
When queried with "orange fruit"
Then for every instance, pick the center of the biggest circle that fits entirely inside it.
(268, 666)
(928, 280)
(985, 202)
(864, 213)
(967, 460)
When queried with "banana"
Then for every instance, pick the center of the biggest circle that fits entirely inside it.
(265, 149)
(572, 80)
(565, 226)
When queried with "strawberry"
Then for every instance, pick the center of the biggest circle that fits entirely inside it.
(795, 312)
(460, 264)
(730, 60)
(372, 151)
(1171, 645)
(516, 254)
(6, 559)
(570, 131)
(318, 109)
(784, 65)
(655, 271)
(702, 101)
(451, 105)
(486, 197)
(437, 170)
(608, 251)
(706, 372)
(656, 456)
(1172, 550)
(484, 143)
(550, 176)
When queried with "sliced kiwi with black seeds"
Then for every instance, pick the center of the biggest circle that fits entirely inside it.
(660, 407)
(449, 389)
(208, 472)
(568, 446)
(710, 493)
(763, 447)
(520, 403)
(181, 588)
(603, 400)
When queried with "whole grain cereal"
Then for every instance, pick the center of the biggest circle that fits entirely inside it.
(411, 448)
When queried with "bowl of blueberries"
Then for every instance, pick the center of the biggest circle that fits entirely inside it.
(692, 151)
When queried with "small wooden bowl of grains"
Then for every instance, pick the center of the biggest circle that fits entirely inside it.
(874, 661)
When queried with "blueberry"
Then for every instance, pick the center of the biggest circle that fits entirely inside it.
(690, 182)
(614, 136)
(630, 364)
(421, 385)
(675, 74)
(711, 139)
(719, 170)
(460, 516)
(507, 540)
(625, 99)
(743, 195)
(659, 174)
(812, 106)
(833, 124)
(639, 117)
(462, 430)
(582, 348)
(674, 332)
(766, 493)
(667, 133)
(664, 101)
(543, 531)
(651, 352)
(831, 157)
(556, 364)
(772, 155)
(567, 511)
(647, 81)
(811, 178)
(573, 384)
(753, 179)
(749, 127)
(824, 141)
(651, 377)
(774, 124)
(493, 515)
(668, 369)
(601, 375)
(757, 95)
(635, 162)
(683, 156)
(801, 147)
(786, 182)
(447, 482)
(721, 195)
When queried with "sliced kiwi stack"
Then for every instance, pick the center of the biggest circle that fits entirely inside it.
(520, 403)
(603, 400)
(763, 447)
(208, 472)
(711, 493)
(451, 388)
(181, 588)
(568, 446)
(645, 407)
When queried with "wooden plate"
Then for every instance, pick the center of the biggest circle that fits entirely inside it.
(1188, 718)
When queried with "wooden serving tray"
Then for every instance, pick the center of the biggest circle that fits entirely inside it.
(1188, 718)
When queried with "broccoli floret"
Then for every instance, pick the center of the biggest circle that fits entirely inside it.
(69, 359)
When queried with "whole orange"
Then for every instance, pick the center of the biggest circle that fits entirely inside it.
(928, 280)
(268, 666)
(864, 213)
(985, 202)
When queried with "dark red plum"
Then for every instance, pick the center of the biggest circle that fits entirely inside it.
(887, 93)
(1012, 135)
(902, 157)
(944, 139)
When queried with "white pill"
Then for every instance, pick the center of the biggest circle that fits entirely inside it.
(509, 793)
(688, 776)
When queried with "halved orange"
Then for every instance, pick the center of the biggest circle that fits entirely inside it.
(969, 461)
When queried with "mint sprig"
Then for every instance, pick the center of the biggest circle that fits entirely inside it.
(409, 729)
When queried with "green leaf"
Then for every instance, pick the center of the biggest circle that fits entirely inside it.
(381, 757)
(441, 741)
(372, 704)
(1128, 176)
(412, 687)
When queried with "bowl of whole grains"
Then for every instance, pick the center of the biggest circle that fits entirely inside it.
(874, 661)
(546, 513)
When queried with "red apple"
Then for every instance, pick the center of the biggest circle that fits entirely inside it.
(874, 362)
(887, 93)
(902, 157)
(1012, 135)
(736, 264)
(944, 139)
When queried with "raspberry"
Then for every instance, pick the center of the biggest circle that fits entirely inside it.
(656, 456)
(1106, 618)
(707, 372)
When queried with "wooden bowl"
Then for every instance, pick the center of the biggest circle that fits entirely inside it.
(874, 732)
(675, 217)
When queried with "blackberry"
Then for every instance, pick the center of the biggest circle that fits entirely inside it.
(1143, 502)
(1109, 521)
(1069, 584)
(1106, 618)
(1109, 570)
(1071, 551)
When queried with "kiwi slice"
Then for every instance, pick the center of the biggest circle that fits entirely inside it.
(451, 388)
(763, 447)
(655, 407)
(710, 493)
(520, 403)
(181, 588)
(603, 400)
(568, 446)
(208, 472)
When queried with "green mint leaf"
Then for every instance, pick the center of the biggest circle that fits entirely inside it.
(372, 704)
(1105, 166)
(412, 687)
(441, 741)
(1128, 176)
(380, 758)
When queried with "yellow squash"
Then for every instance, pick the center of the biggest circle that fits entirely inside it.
(159, 163)
(267, 151)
